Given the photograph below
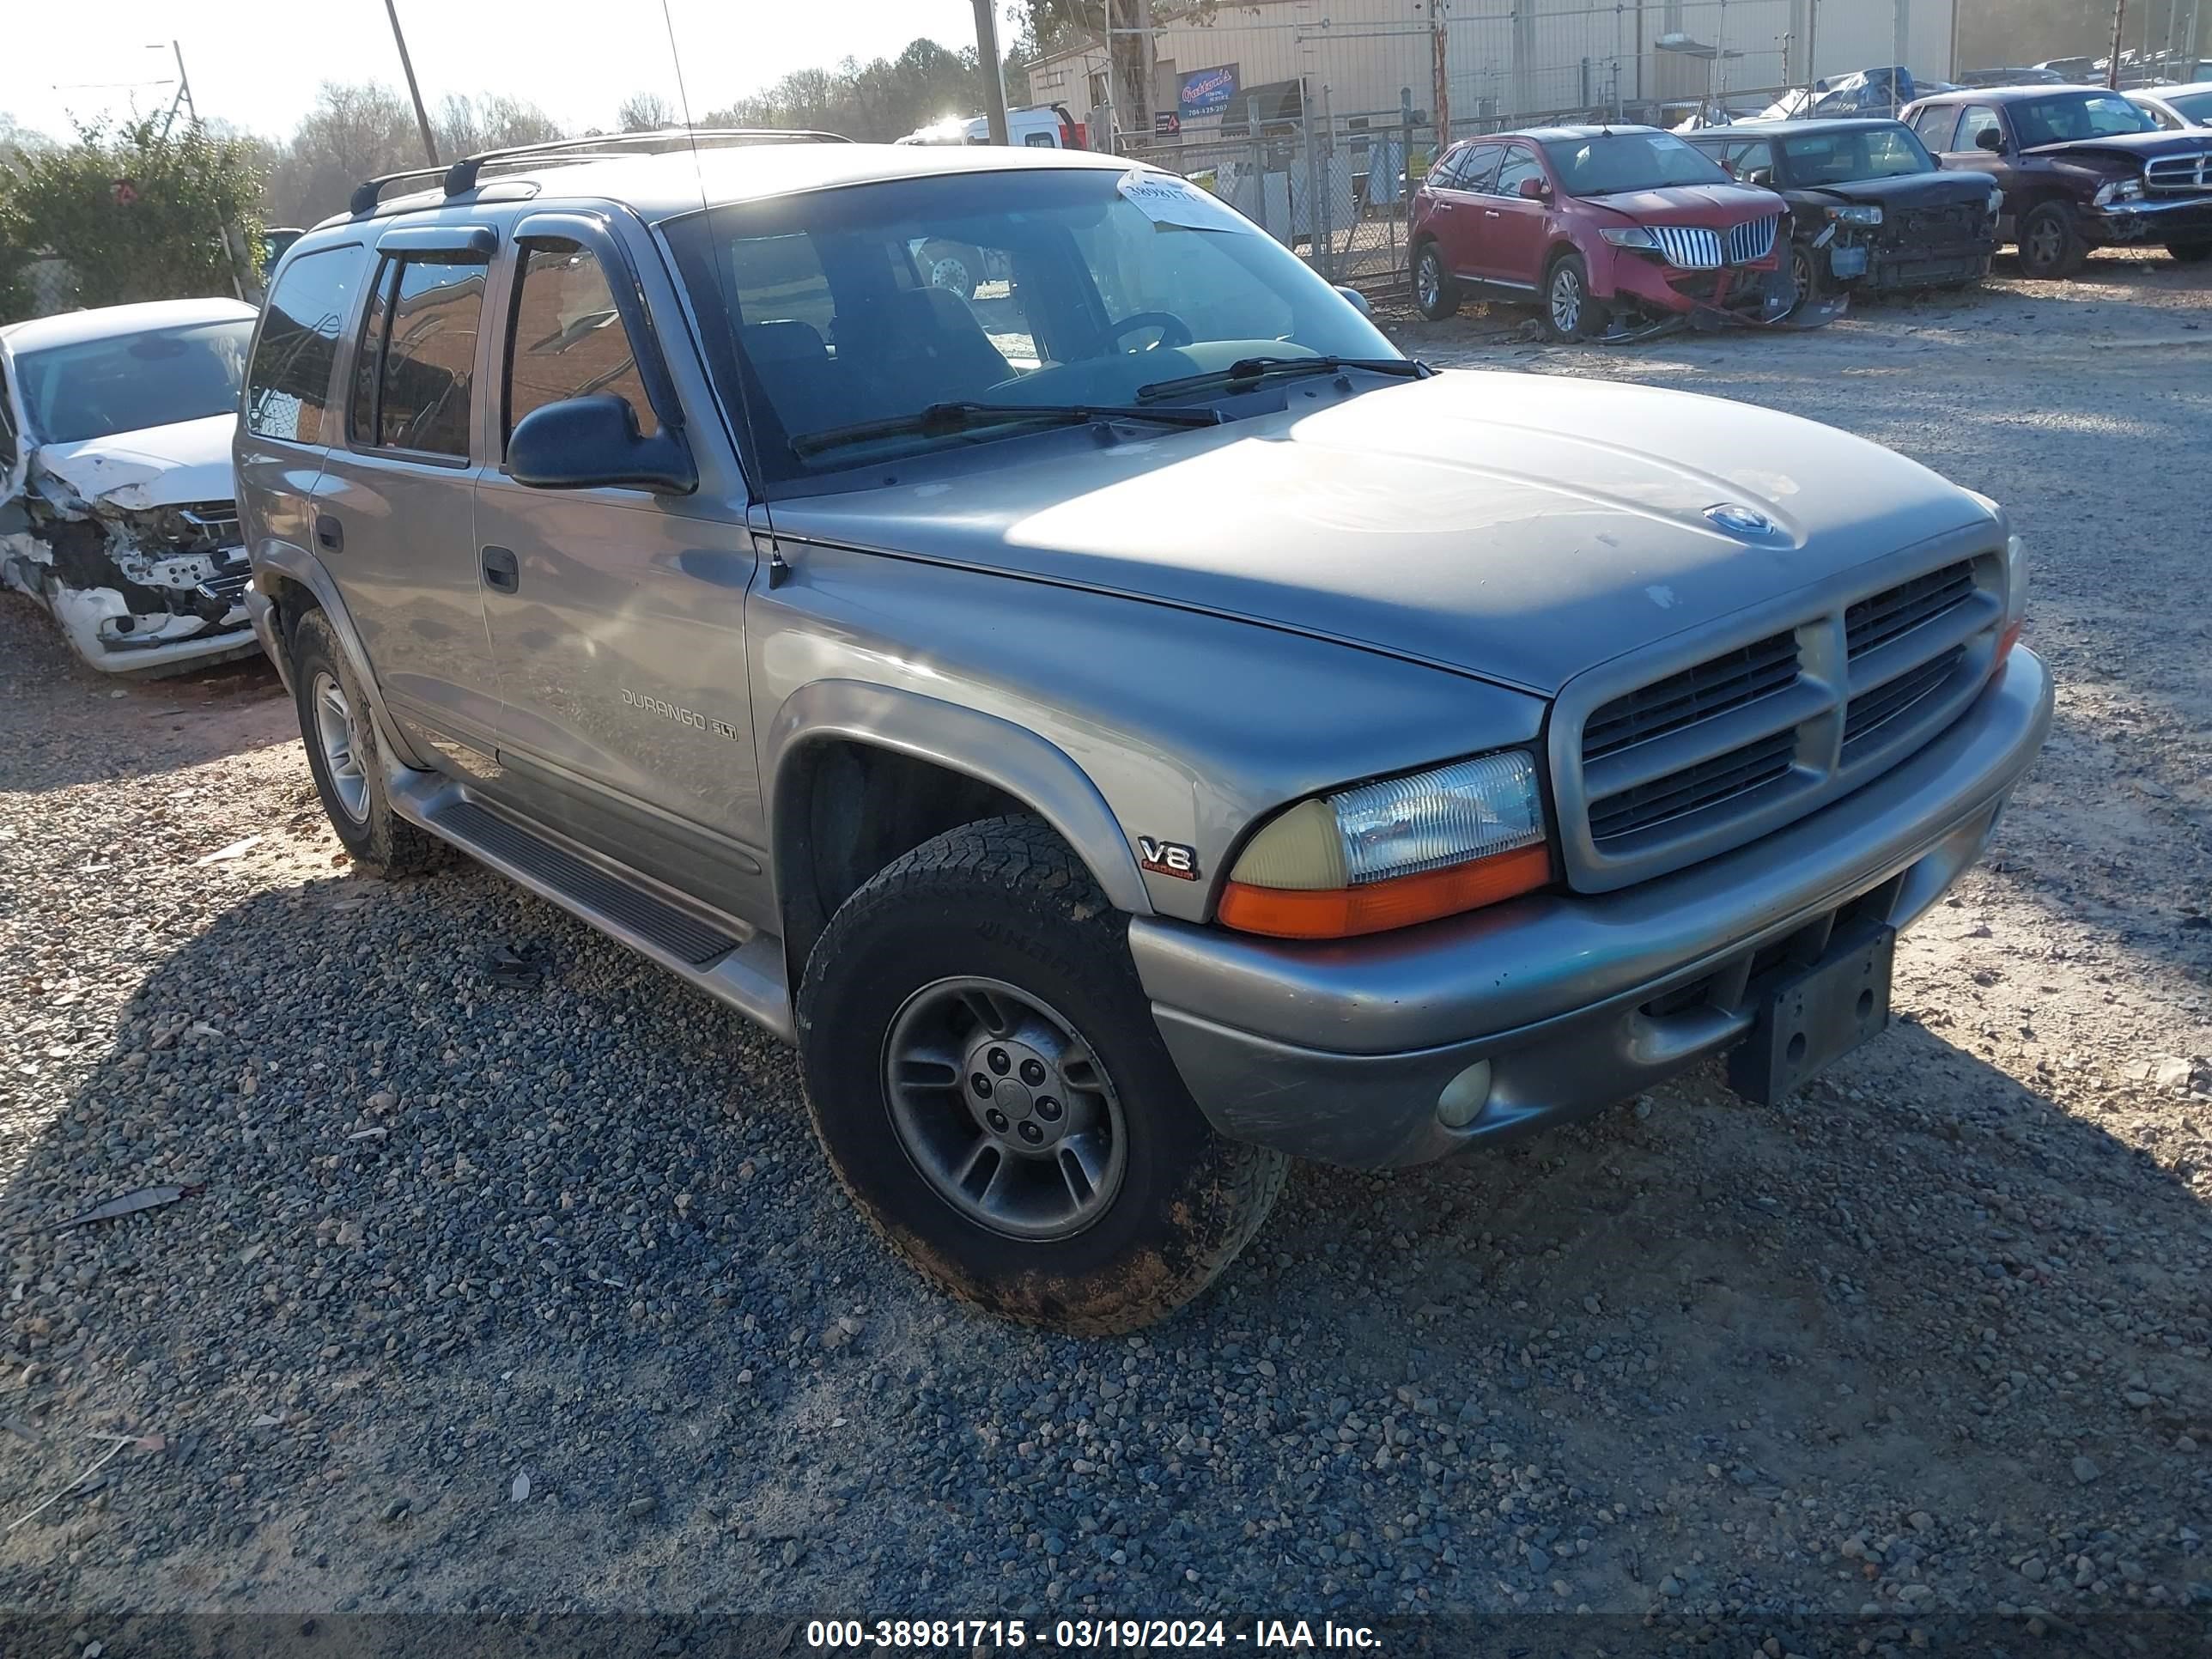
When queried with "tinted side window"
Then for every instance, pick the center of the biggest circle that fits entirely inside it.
(1477, 170)
(568, 339)
(288, 383)
(1979, 119)
(422, 331)
(1520, 163)
(1936, 126)
(1445, 170)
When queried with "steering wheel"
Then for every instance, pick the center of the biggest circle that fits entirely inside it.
(1174, 331)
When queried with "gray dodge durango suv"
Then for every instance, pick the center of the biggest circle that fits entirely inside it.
(1126, 723)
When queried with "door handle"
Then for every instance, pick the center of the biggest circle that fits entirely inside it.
(330, 534)
(1492, 213)
(501, 571)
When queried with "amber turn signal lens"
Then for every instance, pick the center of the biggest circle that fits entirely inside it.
(1375, 906)
(2006, 640)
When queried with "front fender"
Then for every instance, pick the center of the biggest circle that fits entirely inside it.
(993, 750)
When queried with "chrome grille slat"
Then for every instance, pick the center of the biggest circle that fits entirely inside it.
(1713, 751)
(227, 584)
(2178, 174)
(1752, 240)
(1691, 247)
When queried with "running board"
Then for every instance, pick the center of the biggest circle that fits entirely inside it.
(744, 970)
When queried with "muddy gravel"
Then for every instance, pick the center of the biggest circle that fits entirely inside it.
(503, 1292)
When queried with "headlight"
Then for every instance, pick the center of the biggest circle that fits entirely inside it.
(1856, 215)
(1392, 854)
(2120, 190)
(1629, 236)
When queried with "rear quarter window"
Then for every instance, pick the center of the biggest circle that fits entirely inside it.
(288, 384)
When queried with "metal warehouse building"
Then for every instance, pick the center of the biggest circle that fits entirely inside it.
(1506, 59)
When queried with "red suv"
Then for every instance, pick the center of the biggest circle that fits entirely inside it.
(1606, 230)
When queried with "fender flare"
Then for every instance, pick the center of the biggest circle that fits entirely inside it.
(996, 752)
(297, 564)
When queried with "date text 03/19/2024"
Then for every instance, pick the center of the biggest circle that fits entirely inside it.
(1087, 1635)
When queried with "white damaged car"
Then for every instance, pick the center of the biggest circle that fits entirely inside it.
(117, 509)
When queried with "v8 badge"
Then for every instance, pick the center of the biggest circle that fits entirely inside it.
(1167, 857)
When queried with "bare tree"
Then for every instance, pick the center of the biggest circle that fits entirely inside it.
(644, 112)
(355, 130)
(465, 125)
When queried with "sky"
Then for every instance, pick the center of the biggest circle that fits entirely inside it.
(256, 63)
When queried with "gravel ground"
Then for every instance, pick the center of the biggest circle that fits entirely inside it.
(489, 1296)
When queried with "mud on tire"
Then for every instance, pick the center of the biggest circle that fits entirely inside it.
(359, 809)
(1005, 903)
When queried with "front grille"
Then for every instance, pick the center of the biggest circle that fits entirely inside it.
(1726, 682)
(229, 587)
(1870, 711)
(202, 527)
(1752, 240)
(1875, 621)
(1694, 788)
(1690, 247)
(1652, 774)
(1915, 229)
(2179, 175)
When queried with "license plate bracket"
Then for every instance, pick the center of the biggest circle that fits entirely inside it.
(1808, 1018)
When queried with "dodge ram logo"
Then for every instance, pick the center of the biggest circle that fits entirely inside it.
(1740, 520)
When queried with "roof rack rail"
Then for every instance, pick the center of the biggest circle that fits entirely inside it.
(365, 194)
(461, 177)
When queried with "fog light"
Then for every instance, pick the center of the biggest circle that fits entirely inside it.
(1465, 1096)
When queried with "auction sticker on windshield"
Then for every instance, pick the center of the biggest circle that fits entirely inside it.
(1167, 200)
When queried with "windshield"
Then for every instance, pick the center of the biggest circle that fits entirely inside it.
(1613, 161)
(1840, 158)
(2194, 107)
(97, 388)
(2067, 115)
(1057, 286)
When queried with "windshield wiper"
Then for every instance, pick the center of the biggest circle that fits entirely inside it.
(943, 420)
(1252, 370)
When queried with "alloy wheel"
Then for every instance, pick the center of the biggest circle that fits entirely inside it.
(1430, 279)
(337, 732)
(1004, 1109)
(1566, 301)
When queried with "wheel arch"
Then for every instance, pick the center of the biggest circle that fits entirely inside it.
(839, 745)
(295, 583)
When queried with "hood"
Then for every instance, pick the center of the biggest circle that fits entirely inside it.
(1911, 190)
(1714, 206)
(1518, 527)
(156, 466)
(2134, 148)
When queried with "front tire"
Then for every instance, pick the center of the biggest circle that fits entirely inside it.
(2049, 247)
(1805, 272)
(2190, 253)
(1567, 313)
(985, 1075)
(1435, 291)
(340, 735)
(955, 267)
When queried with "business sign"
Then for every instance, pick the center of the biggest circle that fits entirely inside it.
(1206, 92)
(1165, 122)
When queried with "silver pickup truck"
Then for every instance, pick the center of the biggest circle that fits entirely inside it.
(1128, 724)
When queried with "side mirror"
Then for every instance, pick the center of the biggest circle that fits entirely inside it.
(1358, 299)
(1990, 139)
(586, 443)
(1534, 190)
(1762, 177)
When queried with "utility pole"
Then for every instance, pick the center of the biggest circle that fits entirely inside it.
(407, 68)
(1439, 74)
(994, 72)
(2112, 63)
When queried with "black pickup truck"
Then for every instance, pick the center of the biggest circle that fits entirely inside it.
(1870, 210)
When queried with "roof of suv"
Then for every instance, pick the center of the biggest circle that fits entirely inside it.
(677, 182)
(1779, 123)
(2000, 95)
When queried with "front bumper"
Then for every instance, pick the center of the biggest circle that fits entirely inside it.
(1746, 293)
(1340, 1052)
(2188, 220)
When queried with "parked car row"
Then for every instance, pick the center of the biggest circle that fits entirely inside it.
(1617, 232)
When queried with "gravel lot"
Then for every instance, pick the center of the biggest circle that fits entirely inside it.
(537, 1297)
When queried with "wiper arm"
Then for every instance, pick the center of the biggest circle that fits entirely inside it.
(1252, 370)
(943, 420)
